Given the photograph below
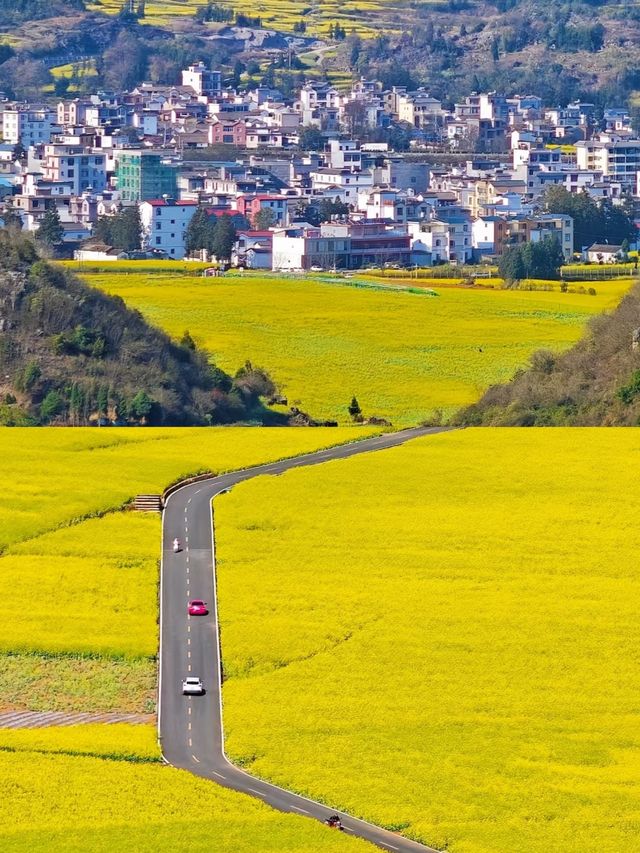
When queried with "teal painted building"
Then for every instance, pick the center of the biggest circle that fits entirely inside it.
(145, 175)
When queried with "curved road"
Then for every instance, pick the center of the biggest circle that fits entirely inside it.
(190, 727)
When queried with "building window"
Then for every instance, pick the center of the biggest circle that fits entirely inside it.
(157, 241)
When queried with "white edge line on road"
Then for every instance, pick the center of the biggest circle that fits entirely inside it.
(408, 434)
(197, 760)
(161, 604)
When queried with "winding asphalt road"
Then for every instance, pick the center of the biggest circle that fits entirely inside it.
(190, 727)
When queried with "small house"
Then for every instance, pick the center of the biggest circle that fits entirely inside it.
(604, 253)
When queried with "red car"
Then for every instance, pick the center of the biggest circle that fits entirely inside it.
(197, 608)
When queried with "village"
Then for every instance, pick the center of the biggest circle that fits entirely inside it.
(302, 184)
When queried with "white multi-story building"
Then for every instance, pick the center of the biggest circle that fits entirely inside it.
(448, 237)
(202, 80)
(430, 239)
(164, 225)
(421, 110)
(82, 167)
(342, 184)
(344, 154)
(29, 125)
(618, 159)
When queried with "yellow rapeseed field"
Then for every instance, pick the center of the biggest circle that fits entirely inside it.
(117, 741)
(362, 17)
(90, 587)
(76, 597)
(51, 477)
(95, 589)
(443, 637)
(404, 355)
(85, 804)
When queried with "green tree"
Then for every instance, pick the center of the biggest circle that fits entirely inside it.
(354, 409)
(141, 405)
(76, 403)
(593, 222)
(187, 341)
(102, 400)
(122, 230)
(50, 231)
(28, 377)
(236, 75)
(264, 219)
(52, 405)
(199, 233)
(543, 259)
(310, 139)
(11, 218)
(126, 230)
(619, 224)
(327, 209)
(224, 238)
(510, 265)
(532, 260)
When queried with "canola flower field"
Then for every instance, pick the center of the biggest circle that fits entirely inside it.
(454, 626)
(364, 17)
(78, 632)
(96, 789)
(404, 355)
(81, 576)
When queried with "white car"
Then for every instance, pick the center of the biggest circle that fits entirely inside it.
(192, 686)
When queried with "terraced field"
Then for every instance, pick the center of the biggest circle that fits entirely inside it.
(364, 17)
(403, 354)
(453, 626)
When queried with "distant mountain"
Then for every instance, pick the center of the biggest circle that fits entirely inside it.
(73, 355)
(558, 49)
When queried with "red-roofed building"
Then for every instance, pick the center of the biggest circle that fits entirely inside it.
(253, 249)
(227, 131)
(239, 219)
(279, 205)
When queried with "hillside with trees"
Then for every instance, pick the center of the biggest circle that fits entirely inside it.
(73, 355)
(596, 383)
(558, 49)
